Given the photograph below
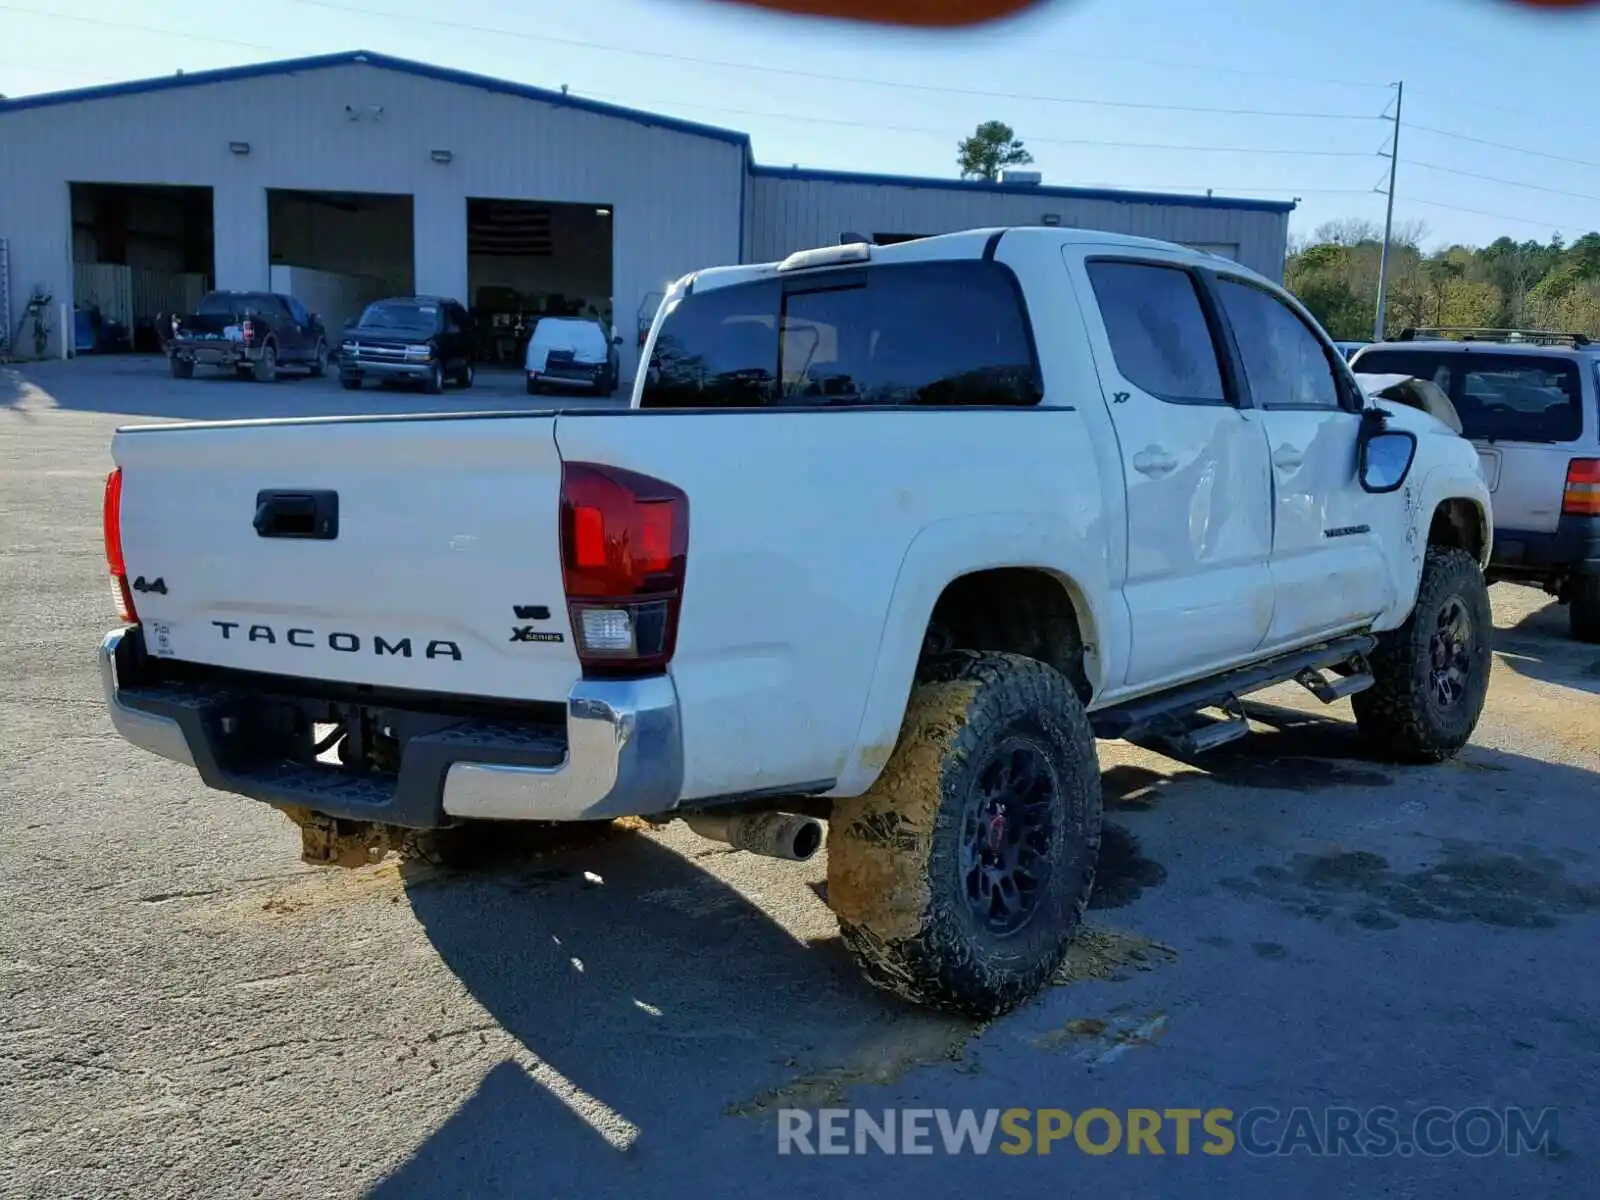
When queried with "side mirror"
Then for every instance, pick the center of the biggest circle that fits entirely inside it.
(1386, 459)
(349, 322)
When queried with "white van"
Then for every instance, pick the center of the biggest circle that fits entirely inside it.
(572, 353)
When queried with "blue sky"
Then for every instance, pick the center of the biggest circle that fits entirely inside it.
(834, 95)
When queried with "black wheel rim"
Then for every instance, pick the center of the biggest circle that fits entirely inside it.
(1450, 653)
(1006, 833)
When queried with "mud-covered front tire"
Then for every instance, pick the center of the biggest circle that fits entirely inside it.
(960, 878)
(1584, 609)
(1432, 673)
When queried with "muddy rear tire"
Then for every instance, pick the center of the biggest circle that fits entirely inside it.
(1433, 672)
(1584, 611)
(960, 878)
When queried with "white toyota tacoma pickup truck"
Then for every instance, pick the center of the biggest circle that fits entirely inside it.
(888, 536)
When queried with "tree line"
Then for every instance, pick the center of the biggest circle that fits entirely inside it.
(1506, 284)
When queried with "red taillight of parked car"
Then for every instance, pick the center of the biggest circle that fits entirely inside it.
(1582, 495)
(111, 514)
(624, 553)
(247, 330)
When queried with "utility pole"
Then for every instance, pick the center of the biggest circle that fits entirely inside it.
(1388, 219)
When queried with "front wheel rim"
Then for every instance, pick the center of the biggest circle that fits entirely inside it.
(1007, 831)
(1450, 653)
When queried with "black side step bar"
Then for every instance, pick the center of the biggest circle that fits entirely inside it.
(1151, 713)
(1328, 690)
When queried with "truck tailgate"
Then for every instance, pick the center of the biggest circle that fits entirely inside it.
(443, 574)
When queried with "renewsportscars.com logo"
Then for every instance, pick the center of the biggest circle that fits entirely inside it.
(1432, 1132)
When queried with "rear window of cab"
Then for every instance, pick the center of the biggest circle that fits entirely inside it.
(945, 333)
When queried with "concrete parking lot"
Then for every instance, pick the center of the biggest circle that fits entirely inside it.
(190, 1010)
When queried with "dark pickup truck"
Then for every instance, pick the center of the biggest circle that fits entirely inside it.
(252, 333)
(424, 340)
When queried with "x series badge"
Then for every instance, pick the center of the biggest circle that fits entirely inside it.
(527, 633)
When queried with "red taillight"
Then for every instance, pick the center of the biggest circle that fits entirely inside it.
(1582, 495)
(248, 330)
(112, 521)
(624, 547)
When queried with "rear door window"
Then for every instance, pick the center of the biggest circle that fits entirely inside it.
(1499, 397)
(1158, 331)
(937, 333)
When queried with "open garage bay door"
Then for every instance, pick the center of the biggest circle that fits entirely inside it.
(527, 259)
(336, 252)
(138, 251)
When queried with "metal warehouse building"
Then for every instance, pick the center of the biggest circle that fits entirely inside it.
(350, 176)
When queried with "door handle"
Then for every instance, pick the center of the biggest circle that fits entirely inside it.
(1154, 462)
(1288, 458)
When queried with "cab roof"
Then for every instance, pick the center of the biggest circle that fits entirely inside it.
(970, 243)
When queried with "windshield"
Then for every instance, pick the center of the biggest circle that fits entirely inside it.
(930, 333)
(1499, 397)
(400, 314)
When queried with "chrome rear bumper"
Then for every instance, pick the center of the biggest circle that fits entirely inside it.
(621, 753)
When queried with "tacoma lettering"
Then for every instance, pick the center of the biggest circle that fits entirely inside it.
(341, 640)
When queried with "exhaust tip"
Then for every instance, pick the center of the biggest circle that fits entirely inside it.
(773, 834)
(807, 840)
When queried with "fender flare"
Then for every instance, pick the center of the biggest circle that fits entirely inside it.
(1423, 500)
(1443, 484)
(947, 550)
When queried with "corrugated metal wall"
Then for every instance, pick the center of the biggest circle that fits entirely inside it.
(789, 214)
(679, 200)
(675, 196)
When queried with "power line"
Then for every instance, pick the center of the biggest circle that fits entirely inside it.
(1478, 212)
(712, 62)
(135, 28)
(1533, 187)
(657, 104)
(1462, 137)
(1167, 64)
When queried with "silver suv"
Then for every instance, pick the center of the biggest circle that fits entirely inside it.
(1530, 402)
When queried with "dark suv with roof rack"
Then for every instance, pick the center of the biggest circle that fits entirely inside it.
(1530, 401)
